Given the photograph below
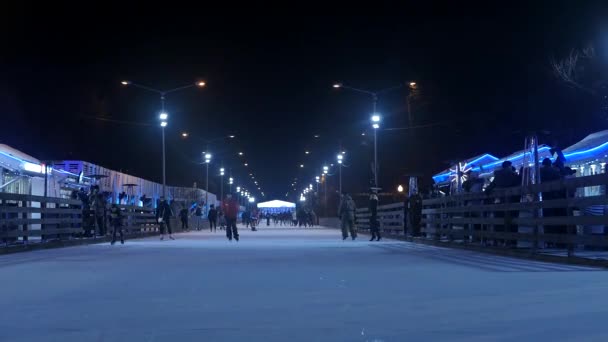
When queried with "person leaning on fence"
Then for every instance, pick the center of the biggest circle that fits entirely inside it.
(346, 212)
(373, 219)
(474, 185)
(163, 216)
(183, 216)
(505, 178)
(116, 221)
(98, 205)
(415, 213)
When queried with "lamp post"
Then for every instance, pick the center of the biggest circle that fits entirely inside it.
(207, 162)
(163, 114)
(375, 117)
(340, 158)
(230, 182)
(325, 172)
(376, 125)
(221, 183)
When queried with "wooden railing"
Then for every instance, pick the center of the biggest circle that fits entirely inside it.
(24, 218)
(501, 219)
(390, 218)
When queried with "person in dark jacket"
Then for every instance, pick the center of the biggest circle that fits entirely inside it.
(504, 178)
(415, 213)
(373, 219)
(549, 173)
(183, 216)
(346, 212)
(116, 221)
(163, 216)
(212, 216)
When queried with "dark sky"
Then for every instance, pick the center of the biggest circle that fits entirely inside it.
(483, 73)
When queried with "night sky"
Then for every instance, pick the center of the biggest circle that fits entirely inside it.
(483, 75)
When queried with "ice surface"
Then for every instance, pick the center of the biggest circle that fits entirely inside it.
(294, 285)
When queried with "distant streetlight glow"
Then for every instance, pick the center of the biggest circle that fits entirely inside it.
(340, 158)
(200, 84)
(307, 152)
(412, 84)
(363, 134)
(400, 188)
(375, 118)
(125, 82)
(376, 126)
(238, 189)
(163, 116)
(337, 85)
(251, 199)
(163, 124)
(240, 153)
(185, 134)
(301, 165)
(232, 136)
(246, 164)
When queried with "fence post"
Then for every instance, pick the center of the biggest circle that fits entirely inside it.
(569, 227)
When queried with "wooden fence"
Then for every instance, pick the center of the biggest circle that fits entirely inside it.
(24, 218)
(514, 217)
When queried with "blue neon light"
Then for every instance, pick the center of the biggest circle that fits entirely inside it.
(14, 157)
(586, 151)
(442, 177)
(544, 148)
(482, 157)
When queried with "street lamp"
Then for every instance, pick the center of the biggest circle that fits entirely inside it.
(376, 125)
(400, 188)
(207, 162)
(221, 183)
(375, 116)
(163, 115)
(230, 182)
(340, 158)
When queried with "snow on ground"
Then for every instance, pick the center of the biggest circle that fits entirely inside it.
(294, 285)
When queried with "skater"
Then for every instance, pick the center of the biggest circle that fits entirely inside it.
(212, 216)
(198, 214)
(183, 216)
(163, 216)
(98, 204)
(222, 220)
(373, 220)
(230, 207)
(116, 221)
(246, 218)
(346, 212)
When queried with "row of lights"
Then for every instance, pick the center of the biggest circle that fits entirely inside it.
(208, 158)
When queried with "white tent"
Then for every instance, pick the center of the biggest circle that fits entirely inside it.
(276, 204)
